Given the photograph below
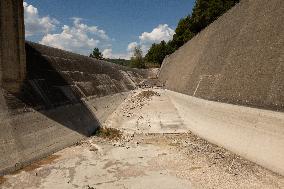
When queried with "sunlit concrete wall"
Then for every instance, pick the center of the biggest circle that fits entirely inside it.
(238, 59)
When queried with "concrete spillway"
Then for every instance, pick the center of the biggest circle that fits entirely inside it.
(55, 98)
(238, 59)
(63, 98)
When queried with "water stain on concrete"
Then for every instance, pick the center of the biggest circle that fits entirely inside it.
(46, 161)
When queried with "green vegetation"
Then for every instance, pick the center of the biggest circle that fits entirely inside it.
(119, 61)
(97, 54)
(109, 133)
(137, 60)
(203, 14)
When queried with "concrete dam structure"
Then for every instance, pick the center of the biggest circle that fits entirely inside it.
(51, 98)
(63, 98)
(236, 60)
(226, 85)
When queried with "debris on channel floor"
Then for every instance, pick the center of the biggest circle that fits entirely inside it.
(126, 155)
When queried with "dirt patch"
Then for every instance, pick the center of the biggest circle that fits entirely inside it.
(109, 133)
(48, 160)
(147, 94)
(2, 180)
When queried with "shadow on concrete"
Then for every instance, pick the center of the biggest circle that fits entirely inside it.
(53, 94)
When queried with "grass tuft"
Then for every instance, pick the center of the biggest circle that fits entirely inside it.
(109, 133)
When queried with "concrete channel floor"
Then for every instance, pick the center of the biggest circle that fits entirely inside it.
(155, 151)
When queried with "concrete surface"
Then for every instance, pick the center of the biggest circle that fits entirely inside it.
(143, 159)
(255, 134)
(64, 98)
(12, 45)
(32, 134)
(140, 115)
(238, 59)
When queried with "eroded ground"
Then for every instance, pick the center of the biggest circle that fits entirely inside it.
(153, 150)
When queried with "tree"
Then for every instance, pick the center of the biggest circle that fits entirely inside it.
(97, 54)
(182, 33)
(203, 14)
(157, 53)
(137, 60)
(207, 11)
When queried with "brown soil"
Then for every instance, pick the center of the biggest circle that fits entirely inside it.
(2, 180)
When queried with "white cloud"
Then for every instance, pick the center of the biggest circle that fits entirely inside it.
(79, 38)
(158, 34)
(131, 46)
(107, 53)
(82, 38)
(34, 24)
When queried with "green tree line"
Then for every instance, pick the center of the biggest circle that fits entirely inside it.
(203, 14)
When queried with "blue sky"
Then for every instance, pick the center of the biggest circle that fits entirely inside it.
(114, 26)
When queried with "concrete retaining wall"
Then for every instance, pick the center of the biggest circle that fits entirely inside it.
(12, 44)
(238, 59)
(255, 134)
(64, 98)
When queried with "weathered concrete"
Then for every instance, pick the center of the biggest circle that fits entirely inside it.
(255, 134)
(12, 45)
(143, 159)
(63, 98)
(238, 59)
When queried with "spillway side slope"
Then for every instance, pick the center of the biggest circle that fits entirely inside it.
(64, 98)
(254, 134)
(238, 59)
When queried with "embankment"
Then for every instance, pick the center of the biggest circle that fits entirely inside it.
(238, 60)
(63, 98)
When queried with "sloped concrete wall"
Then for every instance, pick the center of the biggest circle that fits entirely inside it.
(64, 98)
(255, 134)
(238, 59)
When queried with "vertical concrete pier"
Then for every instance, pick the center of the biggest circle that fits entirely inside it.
(12, 45)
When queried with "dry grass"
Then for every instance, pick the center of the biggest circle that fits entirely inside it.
(109, 133)
(147, 94)
(2, 180)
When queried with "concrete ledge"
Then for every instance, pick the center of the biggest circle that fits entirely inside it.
(255, 134)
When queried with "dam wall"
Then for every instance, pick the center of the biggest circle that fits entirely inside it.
(230, 82)
(238, 59)
(255, 134)
(63, 98)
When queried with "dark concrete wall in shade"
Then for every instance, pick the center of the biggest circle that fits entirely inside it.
(12, 44)
(63, 98)
(238, 59)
